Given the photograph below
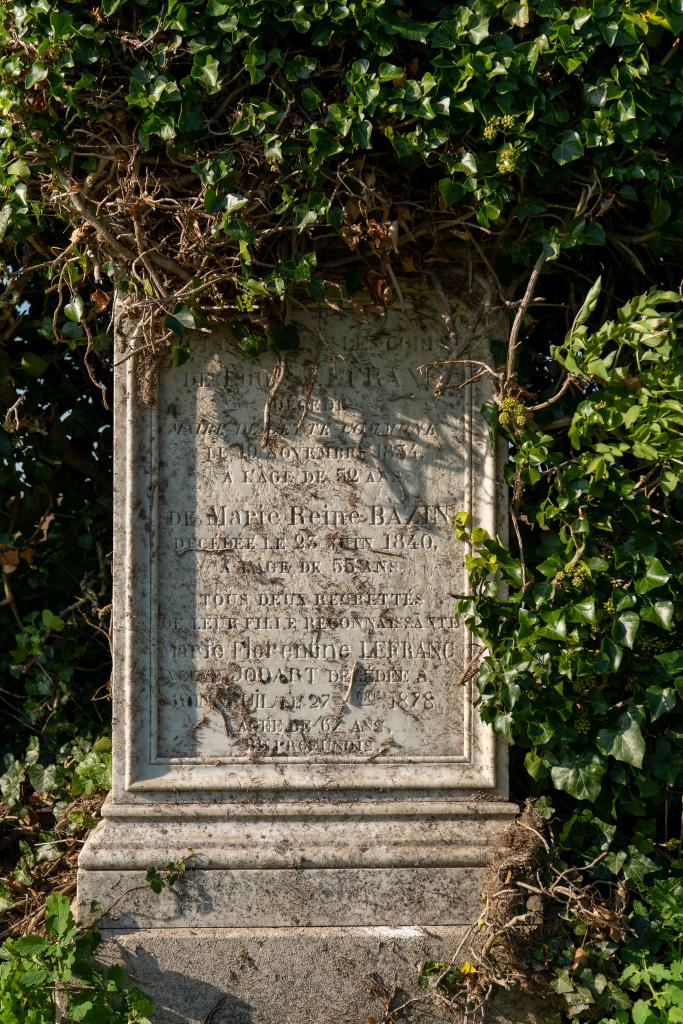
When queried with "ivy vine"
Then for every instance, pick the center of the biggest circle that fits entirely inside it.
(221, 160)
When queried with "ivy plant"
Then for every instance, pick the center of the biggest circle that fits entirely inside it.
(583, 666)
(53, 976)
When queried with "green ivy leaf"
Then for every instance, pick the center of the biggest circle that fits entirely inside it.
(517, 14)
(660, 700)
(208, 72)
(33, 364)
(74, 309)
(38, 73)
(661, 613)
(479, 30)
(233, 202)
(568, 148)
(581, 778)
(181, 320)
(672, 661)
(655, 575)
(626, 742)
(6, 898)
(73, 331)
(18, 169)
(52, 622)
(316, 288)
(180, 354)
(583, 611)
(625, 628)
(535, 766)
(61, 24)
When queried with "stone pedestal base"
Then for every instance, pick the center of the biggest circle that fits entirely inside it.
(315, 869)
(289, 919)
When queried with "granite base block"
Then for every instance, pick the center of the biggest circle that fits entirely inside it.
(297, 975)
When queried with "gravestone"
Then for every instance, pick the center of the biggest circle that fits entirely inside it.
(293, 696)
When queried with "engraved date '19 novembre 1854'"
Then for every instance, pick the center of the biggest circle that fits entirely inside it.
(303, 584)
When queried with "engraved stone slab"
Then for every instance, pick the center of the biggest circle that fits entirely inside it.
(289, 613)
(293, 706)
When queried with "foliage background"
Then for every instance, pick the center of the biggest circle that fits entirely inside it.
(221, 161)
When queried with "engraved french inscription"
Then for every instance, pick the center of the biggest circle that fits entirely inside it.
(304, 581)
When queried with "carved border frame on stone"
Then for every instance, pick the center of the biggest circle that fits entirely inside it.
(136, 487)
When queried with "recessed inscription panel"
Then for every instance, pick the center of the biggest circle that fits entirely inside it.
(302, 596)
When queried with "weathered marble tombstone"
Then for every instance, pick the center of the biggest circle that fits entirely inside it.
(293, 707)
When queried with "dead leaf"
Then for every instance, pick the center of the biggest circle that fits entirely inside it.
(45, 524)
(408, 263)
(82, 231)
(352, 211)
(9, 560)
(100, 300)
(580, 958)
(384, 237)
(378, 288)
(352, 234)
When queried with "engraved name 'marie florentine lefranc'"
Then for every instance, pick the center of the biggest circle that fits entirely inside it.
(303, 582)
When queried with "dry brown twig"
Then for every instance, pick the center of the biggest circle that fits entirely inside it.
(457, 343)
(274, 384)
(513, 342)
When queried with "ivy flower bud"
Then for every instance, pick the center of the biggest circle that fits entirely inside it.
(507, 161)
